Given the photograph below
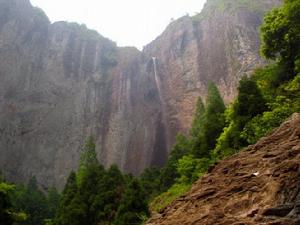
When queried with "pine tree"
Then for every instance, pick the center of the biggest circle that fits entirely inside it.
(169, 172)
(199, 118)
(213, 122)
(33, 202)
(196, 135)
(110, 190)
(88, 158)
(53, 199)
(249, 103)
(150, 181)
(133, 206)
(63, 215)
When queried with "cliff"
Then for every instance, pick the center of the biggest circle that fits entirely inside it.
(62, 82)
(260, 185)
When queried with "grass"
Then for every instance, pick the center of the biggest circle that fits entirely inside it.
(164, 199)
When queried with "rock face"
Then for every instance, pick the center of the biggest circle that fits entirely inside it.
(61, 82)
(260, 185)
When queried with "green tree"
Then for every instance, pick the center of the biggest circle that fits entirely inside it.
(108, 196)
(87, 158)
(213, 123)
(199, 118)
(150, 181)
(197, 139)
(280, 36)
(133, 206)
(53, 198)
(33, 202)
(248, 104)
(191, 168)
(169, 172)
(64, 215)
(5, 204)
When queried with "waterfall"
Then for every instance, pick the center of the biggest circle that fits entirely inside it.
(154, 65)
(156, 77)
(163, 112)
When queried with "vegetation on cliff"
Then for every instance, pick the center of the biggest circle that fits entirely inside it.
(95, 195)
(263, 102)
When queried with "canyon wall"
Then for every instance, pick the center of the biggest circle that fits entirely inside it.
(61, 82)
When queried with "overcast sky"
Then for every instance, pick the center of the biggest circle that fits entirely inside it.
(127, 22)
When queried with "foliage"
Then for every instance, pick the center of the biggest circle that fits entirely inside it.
(5, 204)
(169, 171)
(214, 120)
(280, 31)
(191, 168)
(53, 198)
(95, 195)
(63, 215)
(88, 158)
(31, 201)
(282, 106)
(109, 194)
(150, 181)
(191, 156)
(248, 104)
(199, 118)
(8, 213)
(132, 206)
(280, 36)
(165, 198)
(100, 196)
(264, 101)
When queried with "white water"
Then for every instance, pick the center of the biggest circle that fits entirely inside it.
(157, 81)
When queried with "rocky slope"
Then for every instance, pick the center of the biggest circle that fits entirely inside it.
(260, 185)
(61, 82)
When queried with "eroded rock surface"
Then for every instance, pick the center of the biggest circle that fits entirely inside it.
(260, 185)
(61, 82)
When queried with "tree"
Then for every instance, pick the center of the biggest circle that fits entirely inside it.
(199, 118)
(5, 204)
(150, 182)
(108, 195)
(33, 202)
(213, 123)
(196, 138)
(133, 206)
(248, 104)
(63, 215)
(280, 35)
(191, 168)
(53, 199)
(87, 158)
(250, 101)
(169, 172)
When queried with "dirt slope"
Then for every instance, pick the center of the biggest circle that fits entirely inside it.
(260, 185)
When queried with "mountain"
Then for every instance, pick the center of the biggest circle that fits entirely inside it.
(259, 185)
(61, 82)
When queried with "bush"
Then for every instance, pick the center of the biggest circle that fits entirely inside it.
(167, 197)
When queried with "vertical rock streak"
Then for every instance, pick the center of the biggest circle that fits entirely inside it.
(61, 82)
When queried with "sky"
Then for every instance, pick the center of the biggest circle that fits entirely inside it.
(126, 22)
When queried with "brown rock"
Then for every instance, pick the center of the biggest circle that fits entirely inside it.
(62, 82)
(276, 200)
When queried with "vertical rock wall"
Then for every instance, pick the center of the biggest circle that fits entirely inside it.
(62, 82)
